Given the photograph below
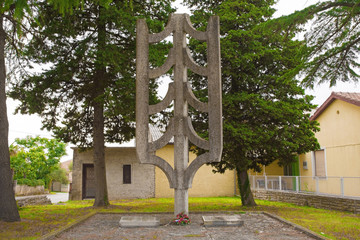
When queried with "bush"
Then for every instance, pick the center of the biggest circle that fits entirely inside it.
(30, 182)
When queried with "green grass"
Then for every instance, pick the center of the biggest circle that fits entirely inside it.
(40, 220)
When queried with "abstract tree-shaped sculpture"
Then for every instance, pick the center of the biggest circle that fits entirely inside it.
(180, 127)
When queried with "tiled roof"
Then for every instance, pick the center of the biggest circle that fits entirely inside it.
(353, 98)
(65, 165)
(157, 132)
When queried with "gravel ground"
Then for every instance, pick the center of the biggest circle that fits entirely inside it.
(256, 226)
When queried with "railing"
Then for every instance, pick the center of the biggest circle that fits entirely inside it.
(339, 186)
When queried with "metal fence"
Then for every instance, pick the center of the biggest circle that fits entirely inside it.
(339, 186)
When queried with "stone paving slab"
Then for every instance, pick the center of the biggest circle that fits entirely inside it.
(257, 226)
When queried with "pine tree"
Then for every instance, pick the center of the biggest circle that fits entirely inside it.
(265, 111)
(333, 40)
(87, 95)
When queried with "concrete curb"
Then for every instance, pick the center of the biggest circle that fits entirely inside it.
(53, 234)
(297, 227)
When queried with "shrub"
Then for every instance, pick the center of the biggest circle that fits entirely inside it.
(30, 182)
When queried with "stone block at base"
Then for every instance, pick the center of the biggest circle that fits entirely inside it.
(225, 220)
(139, 221)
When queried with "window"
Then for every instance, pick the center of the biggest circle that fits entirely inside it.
(319, 162)
(126, 174)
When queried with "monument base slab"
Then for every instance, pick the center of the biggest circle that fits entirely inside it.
(224, 220)
(139, 221)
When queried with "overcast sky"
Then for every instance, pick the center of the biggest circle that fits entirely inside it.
(21, 126)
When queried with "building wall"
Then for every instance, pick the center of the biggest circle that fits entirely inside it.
(307, 183)
(205, 183)
(78, 161)
(339, 136)
(272, 169)
(59, 187)
(142, 175)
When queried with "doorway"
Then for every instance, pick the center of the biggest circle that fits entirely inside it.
(88, 188)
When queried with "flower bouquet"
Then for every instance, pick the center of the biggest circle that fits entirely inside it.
(182, 219)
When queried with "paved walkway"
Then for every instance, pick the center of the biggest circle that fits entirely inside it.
(257, 226)
(54, 198)
(58, 197)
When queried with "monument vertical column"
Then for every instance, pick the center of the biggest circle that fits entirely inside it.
(181, 156)
(180, 127)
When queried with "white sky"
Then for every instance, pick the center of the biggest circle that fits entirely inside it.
(21, 126)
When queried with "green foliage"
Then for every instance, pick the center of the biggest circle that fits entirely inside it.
(30, 182)
(20, 7)
(332, 40)
(35, 158)
(59, 175)
(334, 43)
(266, 113)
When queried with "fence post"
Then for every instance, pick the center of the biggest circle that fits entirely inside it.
(280, 187)
(342, 186)
(317, 185)
(297, 183)
(266, 187)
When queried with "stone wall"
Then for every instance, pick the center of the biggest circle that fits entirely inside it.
(24, 190)
(59, 187)
(312, 200)
(33, 200)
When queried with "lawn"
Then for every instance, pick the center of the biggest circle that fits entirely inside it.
(40, 220)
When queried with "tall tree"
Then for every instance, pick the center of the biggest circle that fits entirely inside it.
(8, 208)
(264, 108)
(12, 15)
(87, 95)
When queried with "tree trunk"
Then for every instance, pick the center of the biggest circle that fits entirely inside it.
(246, 195)
(8, 208)
(101, 194)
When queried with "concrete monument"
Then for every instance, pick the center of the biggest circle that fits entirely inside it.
(180, 127)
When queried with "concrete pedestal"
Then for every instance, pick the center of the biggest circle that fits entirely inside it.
(181, 205)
